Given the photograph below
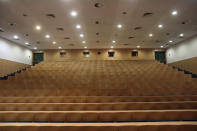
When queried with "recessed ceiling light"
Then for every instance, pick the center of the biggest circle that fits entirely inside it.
(85, 47)
(170, 41)
(47, 36)
(174, 12)
(35, 48)
(181, 35)
(150, 35)
(78, 26)
(60, 47)
(54, 42)
(83, 42)
(38, 27)
(81, 35)
(73, 13)
(138, 46)
(161, 46)
(113, 41)
(15, 37)
(112, 47)
(26, 43)
(119, 26)
(160, 26)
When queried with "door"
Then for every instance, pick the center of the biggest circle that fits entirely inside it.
(38, 57)
(160, 56)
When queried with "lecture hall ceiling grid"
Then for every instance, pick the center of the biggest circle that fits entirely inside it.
(78, 24)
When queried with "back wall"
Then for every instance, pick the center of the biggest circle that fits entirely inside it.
(120, 54)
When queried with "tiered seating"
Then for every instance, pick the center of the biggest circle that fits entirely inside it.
(99, 95)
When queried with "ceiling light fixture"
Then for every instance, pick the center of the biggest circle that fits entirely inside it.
(26, 43)
(160, 26)
(170, 41)
(181, 35)
(83, 42)
(119, 26)
(60, 47)
(174, 12)
(35, 48)
(150, 35)
(113, 41)
(73, 13)
(161, 46)
(54, 42)
(112, 47)
(138, 46)
(81, 35)
(78, 26)
(85, 47)
(15, 37)
(47, 36)
(38, 27)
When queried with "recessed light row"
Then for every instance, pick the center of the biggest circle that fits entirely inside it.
(78, 26)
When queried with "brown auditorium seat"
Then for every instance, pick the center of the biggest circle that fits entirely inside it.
(100, 91)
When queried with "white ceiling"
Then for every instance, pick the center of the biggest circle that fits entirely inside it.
(109, 15)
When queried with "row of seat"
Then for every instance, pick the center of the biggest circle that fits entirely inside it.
(97, 106)
(97, 99)
(99, 116)
(96, 92)
(142, 126)
(83, 77)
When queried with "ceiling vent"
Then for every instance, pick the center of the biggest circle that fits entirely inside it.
(50, 15)
(167, 34)
(60, 29)
(124, 13)
(11, 24)
(185, 22)
(38, 42)
(157, 41)
(1, 30)
(98, 5)
(97, 41)
(137, 28)
(131, 37)
(26, 35)
(25, 15)
(147, 14)
(66, 38)
(97, 22)
(71, 44)
(97, 33)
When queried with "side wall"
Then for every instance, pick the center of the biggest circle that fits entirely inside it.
(120, 54)
(184, 55)
(13, 57)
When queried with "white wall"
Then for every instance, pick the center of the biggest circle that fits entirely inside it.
(14, 52)
(184, 50)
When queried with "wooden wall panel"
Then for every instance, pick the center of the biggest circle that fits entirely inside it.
(187, 64)
(7, 67)
(120, 54)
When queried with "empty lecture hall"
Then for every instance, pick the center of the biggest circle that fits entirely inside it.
(98, 65)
